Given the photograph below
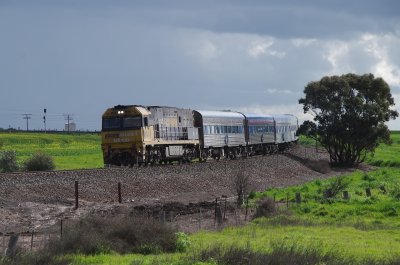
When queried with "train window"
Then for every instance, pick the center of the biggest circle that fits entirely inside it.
(217, 129)
(223, 129)
(229, 129)
(133, 122)
(212, 130)
(112, 123)
(241, 129)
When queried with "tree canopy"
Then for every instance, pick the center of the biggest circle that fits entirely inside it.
(349, 112)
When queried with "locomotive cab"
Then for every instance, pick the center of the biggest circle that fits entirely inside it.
(124, 128)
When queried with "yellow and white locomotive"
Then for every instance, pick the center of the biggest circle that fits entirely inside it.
(137, 134)
(140, 135)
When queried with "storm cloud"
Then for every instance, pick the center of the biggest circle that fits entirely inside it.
(82, 57)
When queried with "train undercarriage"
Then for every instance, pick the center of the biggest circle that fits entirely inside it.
(161, 154)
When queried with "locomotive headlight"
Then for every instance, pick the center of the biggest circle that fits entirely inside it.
(120, 112)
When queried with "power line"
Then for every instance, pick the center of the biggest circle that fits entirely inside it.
(68, 118)
(27, 117)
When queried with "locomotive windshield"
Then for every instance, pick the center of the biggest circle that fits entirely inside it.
(132, 122)
(111, 123)
(120, 123)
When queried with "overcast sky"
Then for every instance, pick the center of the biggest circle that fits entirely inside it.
(81, 57)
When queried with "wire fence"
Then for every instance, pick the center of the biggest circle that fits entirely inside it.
(214, 215)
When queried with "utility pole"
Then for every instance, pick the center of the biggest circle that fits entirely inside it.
(27, 117)
(44, 120)
(68, 118)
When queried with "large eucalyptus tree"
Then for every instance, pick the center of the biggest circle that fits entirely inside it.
(349, 112)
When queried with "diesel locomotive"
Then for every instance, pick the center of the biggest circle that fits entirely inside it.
(136, 134)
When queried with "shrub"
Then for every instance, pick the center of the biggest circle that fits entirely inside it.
(39, 162)
(182, 242)
(8, 161)
(94, 235)
(335, 187)
(265, 207)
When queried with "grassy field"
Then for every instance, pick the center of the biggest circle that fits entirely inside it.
(361, 230)
(69, 151)
(387, 155)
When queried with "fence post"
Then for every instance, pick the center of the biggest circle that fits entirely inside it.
(247, 208)
(287, 200)
(76, 195)
(298, 197)
(119, 192)
(215, 209)
(345, 195)
(32, 240)
(4, 244)
(226, 198)
(61, 228)
(219, 215)
(368, 192)
(199, 218)
(12, 245)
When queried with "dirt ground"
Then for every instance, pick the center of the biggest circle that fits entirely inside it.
(39, 201)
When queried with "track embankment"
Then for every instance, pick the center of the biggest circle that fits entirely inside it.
(31, 200)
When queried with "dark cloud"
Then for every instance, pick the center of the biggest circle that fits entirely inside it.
(83, 56)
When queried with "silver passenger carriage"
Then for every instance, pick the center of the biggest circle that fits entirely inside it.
(260, 133)
(221, 133)
(286, 126)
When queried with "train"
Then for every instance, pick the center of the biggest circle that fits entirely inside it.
(141, 135)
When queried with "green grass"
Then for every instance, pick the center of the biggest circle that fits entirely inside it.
(387, 155)
(358, 229)
(384, 155)
(306, 141)
(260, 236)
(381, 210)
(69, 151)
(130, 259)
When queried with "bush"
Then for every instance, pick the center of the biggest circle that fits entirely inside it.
(94, 235)
(182, 242)
(265, 207)
(39, 162)
(335, 187)
(8, 161)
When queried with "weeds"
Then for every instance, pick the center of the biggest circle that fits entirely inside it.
(265, 207)
(8, 161)
(39, 161)
(94, 235)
